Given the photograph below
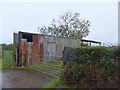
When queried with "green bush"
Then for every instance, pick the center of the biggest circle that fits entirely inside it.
(92, 67)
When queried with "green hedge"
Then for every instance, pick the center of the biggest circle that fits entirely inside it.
(92, 67)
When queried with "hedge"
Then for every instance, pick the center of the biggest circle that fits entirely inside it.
(92, 67)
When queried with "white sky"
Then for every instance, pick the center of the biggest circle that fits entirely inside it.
(27, 15)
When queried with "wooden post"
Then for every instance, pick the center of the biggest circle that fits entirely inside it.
(90, 43)
(64, 63)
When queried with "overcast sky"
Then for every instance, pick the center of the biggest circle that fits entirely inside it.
(26, 16)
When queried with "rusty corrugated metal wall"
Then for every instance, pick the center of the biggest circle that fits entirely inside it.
(35, 48)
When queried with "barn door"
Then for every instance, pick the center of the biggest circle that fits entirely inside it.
(51, 51)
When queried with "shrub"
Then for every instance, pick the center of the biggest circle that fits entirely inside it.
(92, 67)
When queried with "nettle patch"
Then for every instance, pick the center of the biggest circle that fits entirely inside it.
(92, 67)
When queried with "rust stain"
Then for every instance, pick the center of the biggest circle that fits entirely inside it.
(41, 52)
(35, 50)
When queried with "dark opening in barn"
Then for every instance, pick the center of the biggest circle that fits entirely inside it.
(27, 36)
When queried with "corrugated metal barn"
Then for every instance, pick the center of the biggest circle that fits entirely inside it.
(34, 48)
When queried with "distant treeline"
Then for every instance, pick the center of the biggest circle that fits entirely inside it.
(7, 46)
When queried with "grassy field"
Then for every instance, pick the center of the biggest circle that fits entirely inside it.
(8, 63)
(7, 55)
(5, 61)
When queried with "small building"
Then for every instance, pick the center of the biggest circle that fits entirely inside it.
(35, 48)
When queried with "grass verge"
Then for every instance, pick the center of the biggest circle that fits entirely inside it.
(47, 66)
(52, 84)
(51, 68)
(10, 64)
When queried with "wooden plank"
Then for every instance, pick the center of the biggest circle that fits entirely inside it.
(67, 54)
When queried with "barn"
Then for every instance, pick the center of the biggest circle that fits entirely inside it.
(34, 48)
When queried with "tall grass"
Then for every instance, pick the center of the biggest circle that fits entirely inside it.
(51, 84)
(8, 63)
(7, 55)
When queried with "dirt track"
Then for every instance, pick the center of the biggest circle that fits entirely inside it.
(23, 79)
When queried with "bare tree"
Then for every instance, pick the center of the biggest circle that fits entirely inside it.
(69, 25)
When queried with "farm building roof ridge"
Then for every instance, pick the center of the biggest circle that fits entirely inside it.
(49, 35)
(63, 37)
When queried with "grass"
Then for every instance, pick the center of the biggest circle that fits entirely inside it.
(56, 83)
(47, 66)
(8, 63)
(7, 55)
(7, 60)
(51, 84)
(51, 68)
